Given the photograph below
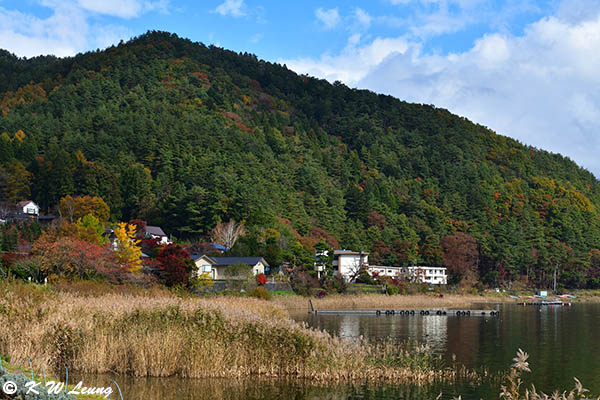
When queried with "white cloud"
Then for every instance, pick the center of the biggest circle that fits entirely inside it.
(70, 28)
(119, 8)
(257, 38)
(353, 63)
(363, 18)
(235, 8)
(539, 87)
(329, 18)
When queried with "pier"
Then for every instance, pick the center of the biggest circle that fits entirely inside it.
(412, 313)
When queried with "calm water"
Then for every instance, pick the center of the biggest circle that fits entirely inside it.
(562, 342)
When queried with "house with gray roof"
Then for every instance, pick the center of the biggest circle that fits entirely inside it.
(229, 267)
(156, 232)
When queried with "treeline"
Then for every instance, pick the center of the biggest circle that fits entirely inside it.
(184, 136)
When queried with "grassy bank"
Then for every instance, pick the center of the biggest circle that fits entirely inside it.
(156, 333)
(381, 301)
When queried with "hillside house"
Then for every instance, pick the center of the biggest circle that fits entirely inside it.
(28, 208)
(349, 263)
(219, 267)
(155, 232)
(204, 264)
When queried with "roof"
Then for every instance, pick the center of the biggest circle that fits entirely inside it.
(25, 202)
(224, 261)
(349, 252)
(196, 257)
(155, 230)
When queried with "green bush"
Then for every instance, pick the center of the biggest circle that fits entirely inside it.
(392, 289)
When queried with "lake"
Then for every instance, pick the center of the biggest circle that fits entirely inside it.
(562, 343)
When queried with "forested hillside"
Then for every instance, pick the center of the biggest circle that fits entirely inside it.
(184, 136)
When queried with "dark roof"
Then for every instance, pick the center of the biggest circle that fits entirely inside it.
(195, 257)
(155, 230)
(349, 252)
(223, 261)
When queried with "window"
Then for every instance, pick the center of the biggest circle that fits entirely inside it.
(206, 268)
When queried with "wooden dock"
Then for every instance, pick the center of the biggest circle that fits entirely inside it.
(412, 313)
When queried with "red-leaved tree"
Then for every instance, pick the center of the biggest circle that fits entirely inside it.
(68, 257)
(174, 264)
(461, 257)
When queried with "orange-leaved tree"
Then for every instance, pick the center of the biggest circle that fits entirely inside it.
(128, 251)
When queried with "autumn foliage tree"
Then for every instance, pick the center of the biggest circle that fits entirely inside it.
(461, 257)
(174, 264)
(90, 229)
(128, 252)
(72, 208)
(68, 257)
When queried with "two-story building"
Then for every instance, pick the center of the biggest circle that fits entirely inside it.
(430, 275)
(348, 263)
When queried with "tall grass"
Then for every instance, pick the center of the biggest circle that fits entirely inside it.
(512, 389)
(379, 301)
(159, 334)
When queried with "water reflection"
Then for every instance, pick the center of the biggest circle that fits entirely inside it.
(256, 389)
(562, 343)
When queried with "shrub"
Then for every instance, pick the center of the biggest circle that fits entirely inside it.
(261, 279)
(202, 282)
(260, 293)
(392, 289)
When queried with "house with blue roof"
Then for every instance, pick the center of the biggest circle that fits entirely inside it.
(222, 267)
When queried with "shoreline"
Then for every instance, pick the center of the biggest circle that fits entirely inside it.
(295, 304)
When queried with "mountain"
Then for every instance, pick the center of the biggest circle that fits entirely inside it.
(183, 136)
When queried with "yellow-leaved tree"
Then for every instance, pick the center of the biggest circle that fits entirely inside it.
(128, 251)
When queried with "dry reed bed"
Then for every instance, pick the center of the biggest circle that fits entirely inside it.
(379, 301)
(166, 335)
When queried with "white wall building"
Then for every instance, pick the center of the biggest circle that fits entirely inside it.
(349, 263)
(28, 207)
(384, 270)
(431, 275)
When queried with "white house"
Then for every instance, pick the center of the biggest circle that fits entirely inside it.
(28, 207)
(430, 275)
(217, 266)
(204, 264)
(385, 270)
(348, 263)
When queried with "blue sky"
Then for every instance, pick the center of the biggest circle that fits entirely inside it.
(528, 69)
